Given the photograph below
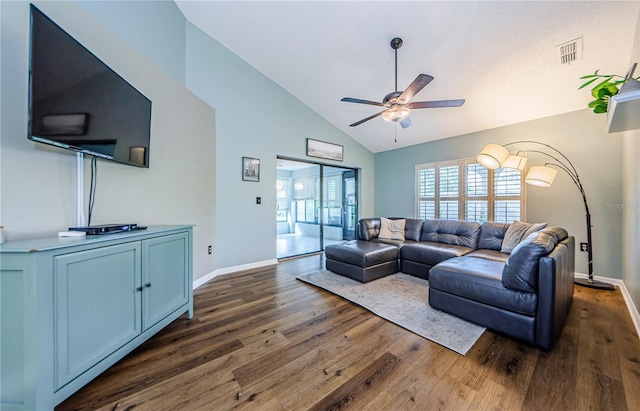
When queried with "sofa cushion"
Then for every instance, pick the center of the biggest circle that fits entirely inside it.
(368, 228)
(521, 270)
(491, 235)
(361, 253)
(431, 253)
(493, 255)
(518, 231)
(392, 229)
(413, 229)
(462, 233)
(480, 280)
(397, 243)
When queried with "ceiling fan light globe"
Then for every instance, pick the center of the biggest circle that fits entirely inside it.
(396, 113)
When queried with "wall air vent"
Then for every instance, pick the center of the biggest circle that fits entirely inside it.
(567, 53)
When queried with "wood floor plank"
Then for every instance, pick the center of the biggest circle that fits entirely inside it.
(485, 352)
(447, 394)
(370, 378)
(262, 340)
(422, 364)
(512, 370)
(341, 360)
(304, 337)
(303, 379)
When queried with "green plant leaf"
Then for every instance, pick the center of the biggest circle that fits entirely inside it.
(594, 103)
(599, 109)
(613, 89)
(603, 83)
(588, 82)
(604, 92)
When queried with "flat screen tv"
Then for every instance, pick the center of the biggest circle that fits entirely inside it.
(78, 103)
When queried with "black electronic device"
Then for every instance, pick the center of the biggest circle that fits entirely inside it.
(78, 103)
(106, 228)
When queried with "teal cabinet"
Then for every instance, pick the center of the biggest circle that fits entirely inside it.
(165, 280)
(96, 305)
(71, 308)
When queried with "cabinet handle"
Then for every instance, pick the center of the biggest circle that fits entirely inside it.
(147, 285)
(140, 288)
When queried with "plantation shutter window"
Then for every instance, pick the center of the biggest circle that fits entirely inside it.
(426, 192)
(507, 189)
(465, 190)
(476, 202)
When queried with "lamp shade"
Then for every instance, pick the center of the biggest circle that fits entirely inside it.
(515, 162)
(396, 113)
(492, 156)
(541, 176)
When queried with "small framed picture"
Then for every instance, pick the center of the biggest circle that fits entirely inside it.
(320, 149)
(250, 169)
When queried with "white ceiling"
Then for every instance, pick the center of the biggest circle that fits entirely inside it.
(499, 56)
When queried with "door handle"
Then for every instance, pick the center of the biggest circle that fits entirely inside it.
(147, 285)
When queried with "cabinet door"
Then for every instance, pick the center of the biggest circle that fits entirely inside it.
(97, 306)
(165, 273)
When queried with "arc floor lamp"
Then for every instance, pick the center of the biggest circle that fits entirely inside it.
(494, 156)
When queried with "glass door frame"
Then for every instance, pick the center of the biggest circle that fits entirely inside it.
(321, 221)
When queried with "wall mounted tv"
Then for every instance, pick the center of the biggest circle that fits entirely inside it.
(78, 103)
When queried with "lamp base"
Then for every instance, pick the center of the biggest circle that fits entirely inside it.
(600, 285)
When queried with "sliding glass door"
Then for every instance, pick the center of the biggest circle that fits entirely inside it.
(316, 205)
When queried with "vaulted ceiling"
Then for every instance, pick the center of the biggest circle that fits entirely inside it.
(501, 57)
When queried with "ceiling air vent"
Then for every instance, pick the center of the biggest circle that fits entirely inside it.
(567, 53)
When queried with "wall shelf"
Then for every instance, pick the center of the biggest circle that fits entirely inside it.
(624, 112)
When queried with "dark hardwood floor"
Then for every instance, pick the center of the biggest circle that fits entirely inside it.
(261, 340)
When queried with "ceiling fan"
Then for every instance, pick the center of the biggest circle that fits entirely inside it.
(397, 105)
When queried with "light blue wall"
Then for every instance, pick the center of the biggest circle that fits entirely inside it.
(38, 182)
(257, 118)
(154, 28)
(579, 135)
(631, 203)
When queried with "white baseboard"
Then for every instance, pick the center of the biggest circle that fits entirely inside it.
(259, 264)
(633, 311)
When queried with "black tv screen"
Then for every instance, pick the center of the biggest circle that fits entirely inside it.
(77, 102)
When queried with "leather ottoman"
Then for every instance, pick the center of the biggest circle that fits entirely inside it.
(362, 260)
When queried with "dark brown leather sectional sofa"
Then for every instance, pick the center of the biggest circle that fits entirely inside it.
(525, 294)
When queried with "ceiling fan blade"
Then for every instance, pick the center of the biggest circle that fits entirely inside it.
(357, 123)
(414, 88)
(406, 122)
(436, 104)
(359, 101)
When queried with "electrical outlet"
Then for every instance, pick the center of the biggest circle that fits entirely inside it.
(258, 200)
(584, 247)
(210, 249)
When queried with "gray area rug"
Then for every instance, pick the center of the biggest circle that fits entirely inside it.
(404, 300)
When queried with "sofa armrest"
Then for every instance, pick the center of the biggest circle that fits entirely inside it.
(555, 292)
